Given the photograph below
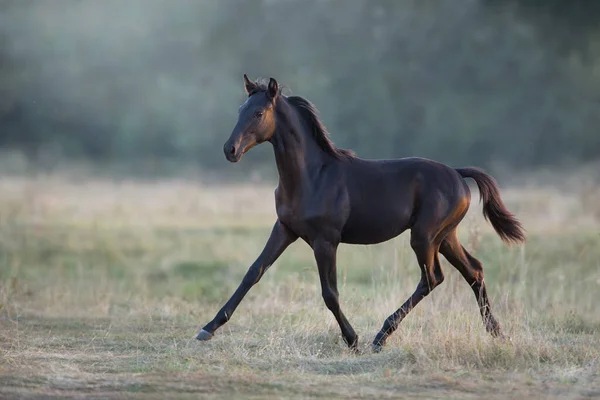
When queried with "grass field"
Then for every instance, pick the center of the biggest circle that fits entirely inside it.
(104, 285)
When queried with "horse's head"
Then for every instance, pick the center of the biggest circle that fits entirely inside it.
(256, 120)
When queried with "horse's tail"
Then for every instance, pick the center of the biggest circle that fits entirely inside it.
(505, 224)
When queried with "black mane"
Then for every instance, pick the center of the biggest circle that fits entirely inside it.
(310, 115)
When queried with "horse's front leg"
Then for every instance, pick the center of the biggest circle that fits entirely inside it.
(281, 237)
(325, 255)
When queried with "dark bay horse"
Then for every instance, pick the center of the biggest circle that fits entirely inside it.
(328, 196)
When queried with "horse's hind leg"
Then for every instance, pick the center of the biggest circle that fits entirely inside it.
(472, 270)
(426, 250)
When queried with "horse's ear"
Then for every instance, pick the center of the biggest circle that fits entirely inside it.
(273, 88)
(249, 85)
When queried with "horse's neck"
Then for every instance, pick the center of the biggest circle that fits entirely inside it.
(299, 159)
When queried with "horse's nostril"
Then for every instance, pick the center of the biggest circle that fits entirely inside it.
(229, 150)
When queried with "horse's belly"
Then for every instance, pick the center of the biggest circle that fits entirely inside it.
(375, 228)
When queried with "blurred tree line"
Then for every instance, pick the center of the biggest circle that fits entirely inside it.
(460, 81)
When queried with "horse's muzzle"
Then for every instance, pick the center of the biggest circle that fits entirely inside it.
(232, 153)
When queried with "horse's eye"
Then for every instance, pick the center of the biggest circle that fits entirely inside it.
(258, 114)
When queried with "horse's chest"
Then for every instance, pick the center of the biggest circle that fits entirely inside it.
(312, 216)
(297, 215)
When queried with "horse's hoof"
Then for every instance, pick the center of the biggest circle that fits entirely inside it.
(497, 333)
(379, 342)
(377, 347)
(504, 338)
(204, 335)
(354, 349)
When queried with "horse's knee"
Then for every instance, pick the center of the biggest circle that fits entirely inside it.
(475, 277)
(331, 299)
(253, 275)
(432, 281)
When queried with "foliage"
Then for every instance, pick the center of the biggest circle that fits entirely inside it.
(461, 81)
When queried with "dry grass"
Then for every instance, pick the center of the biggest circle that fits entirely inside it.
(103, 286)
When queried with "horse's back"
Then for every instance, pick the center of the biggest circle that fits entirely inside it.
(398, 175)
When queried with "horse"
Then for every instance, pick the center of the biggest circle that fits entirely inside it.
(327, 196)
